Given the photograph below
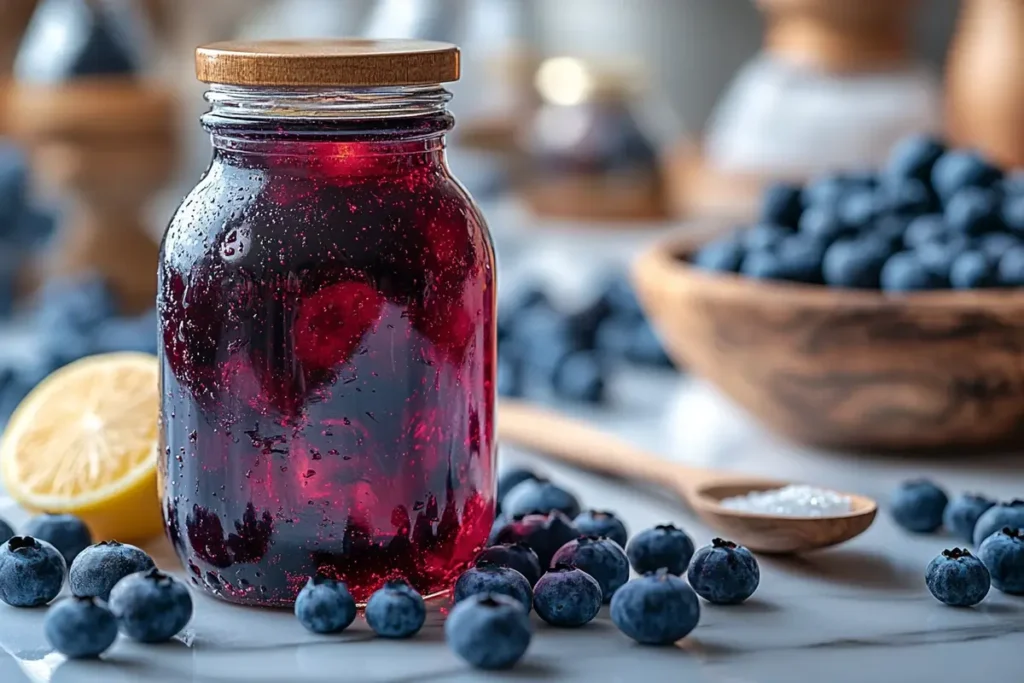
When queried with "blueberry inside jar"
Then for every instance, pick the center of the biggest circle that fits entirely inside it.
(326, 304)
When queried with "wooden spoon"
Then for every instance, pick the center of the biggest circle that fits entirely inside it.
(576, 443)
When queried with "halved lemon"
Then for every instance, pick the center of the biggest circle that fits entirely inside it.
(84, 442)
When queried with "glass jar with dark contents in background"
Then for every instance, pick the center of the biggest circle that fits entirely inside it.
(326, 303)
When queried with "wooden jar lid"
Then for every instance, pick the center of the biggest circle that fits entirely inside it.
(345, 62)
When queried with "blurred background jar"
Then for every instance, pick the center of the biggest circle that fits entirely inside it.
(985, 92)
(834, 86)
(592, 153)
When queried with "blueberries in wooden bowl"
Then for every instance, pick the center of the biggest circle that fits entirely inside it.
(871, 310)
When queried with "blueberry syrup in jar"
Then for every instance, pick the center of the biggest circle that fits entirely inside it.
(326, 304)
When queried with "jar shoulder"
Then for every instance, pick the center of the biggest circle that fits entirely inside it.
(302, 217)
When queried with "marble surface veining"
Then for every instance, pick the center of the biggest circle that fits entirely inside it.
(856, 613)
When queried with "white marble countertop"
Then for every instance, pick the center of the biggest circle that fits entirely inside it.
(856, 613)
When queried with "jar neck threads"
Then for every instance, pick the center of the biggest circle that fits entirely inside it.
(350, 103)
(298, 123)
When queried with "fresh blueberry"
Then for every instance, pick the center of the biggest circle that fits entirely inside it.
(918, 505)
(526, 297)
(544, 534)
(1012, 213)
(1011, 267)
(488, 631)
(620, 297)
(973, 270)
(962, 513)
(795, 259)
(510, 377)
(602, 558)
(723, 573)
(938, 257)
(908, 197)
(487, 577)
(601, 523)
(615, 337)
(579, 376)
(1003, 555)
(855, 263)
(663, 547)
(825, 191)
(518, 556)
(396, 610)
(584, 320)
(889, 230)
(958, 169)
(904, 272)
(801, 259)
(99, 567)
(930, 227)
(957, 578)
(74, 306)
(645, 347)
(782, 204)
(6, 531)
(567, 596)
(822, 224)
(859, 209)
(1001, 515)
(67, 533)
(724, 254)
(973, 211)
(34, 227)
(151, 606)
(325, 605)
(31, 572)
(512, 477)
(913, 157)
(80, 628)
(544, 338)
(656, 609)
(13, 186)
(1013, 183)
(996, 244)
(539, 495)
(763, 236)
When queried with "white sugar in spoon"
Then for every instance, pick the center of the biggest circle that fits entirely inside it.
(576, 443)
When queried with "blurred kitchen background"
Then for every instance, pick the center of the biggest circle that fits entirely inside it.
(585, 129)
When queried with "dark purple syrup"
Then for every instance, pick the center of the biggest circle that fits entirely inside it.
(326, 302)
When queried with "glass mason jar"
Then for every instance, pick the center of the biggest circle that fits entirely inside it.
(326, 304)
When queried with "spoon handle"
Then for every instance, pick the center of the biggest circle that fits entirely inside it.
(579, 444)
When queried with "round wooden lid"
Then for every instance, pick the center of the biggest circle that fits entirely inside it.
(344, 62)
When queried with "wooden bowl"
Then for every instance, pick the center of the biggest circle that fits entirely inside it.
(843, 368)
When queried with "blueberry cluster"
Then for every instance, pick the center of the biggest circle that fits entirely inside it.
(956, 577)
(563, 563)
(23, 227)
(70, 319)
(568, 352)
(114, 586)
(931, 218)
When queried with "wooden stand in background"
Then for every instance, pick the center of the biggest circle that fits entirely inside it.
(828, 36)
(14, 17)
(839, 36)
(106, 145)
(985, 88)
